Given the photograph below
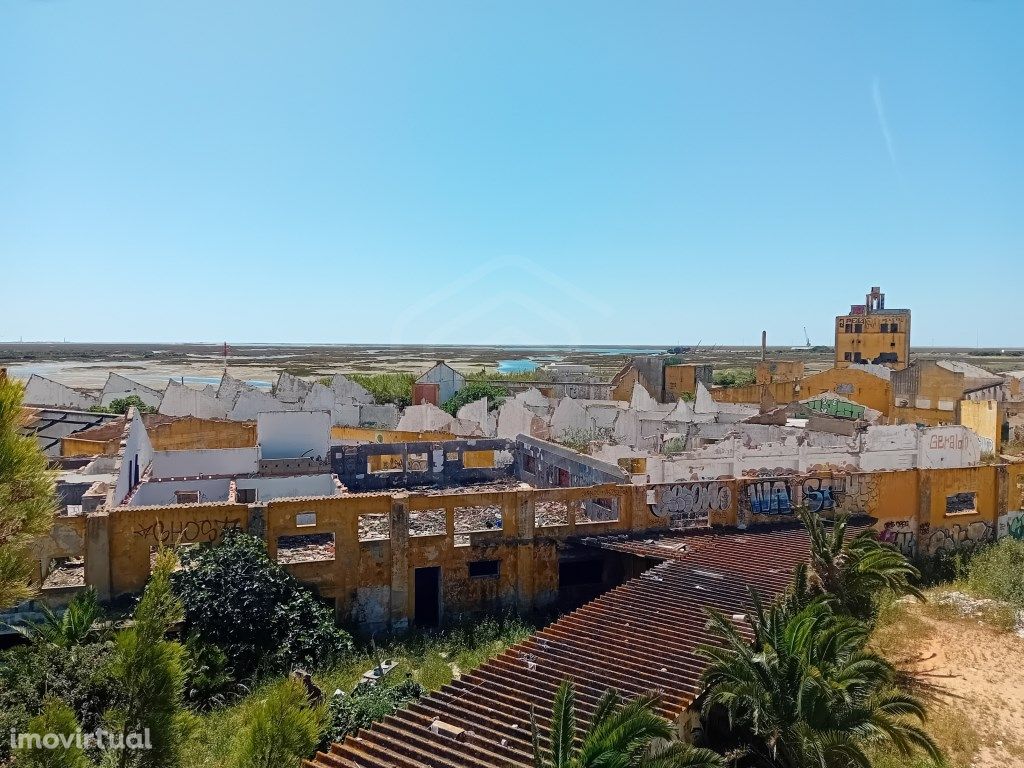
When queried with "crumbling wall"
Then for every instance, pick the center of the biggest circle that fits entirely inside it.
(43, 391)
(371, 466)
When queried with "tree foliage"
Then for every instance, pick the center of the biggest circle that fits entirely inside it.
(472, 391)
(27, 499)
(855, 570)
(56, 718)
(283, 730)
(75, 627)
(805, 692)
(621, 734)
(149, 674)
(239, 600)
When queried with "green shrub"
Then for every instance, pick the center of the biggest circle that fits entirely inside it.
(31, 673)
(998, 572)
(238, 599)
(366, 704)
(282, 731)
(56, 717)
(474, 390)
(387, 387)
(734, 377)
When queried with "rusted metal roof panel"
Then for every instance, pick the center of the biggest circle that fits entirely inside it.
(638, 637)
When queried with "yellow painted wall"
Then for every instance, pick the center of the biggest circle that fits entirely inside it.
(365, 435)
(859, 386)
(767, 371)
(870, 341)
(985, 418)
(782, 392)
(191, 434)
(364, 575)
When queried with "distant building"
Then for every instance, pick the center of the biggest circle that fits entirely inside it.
(437, 385)
(871, 333)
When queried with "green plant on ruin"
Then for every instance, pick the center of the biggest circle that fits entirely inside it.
(734, 377)
(579, 438)
(27, 499)
(626, 734)
(472, 391)
(122, 404)
(387, 388)
(250, 607)
(804, 691)
(855, 570)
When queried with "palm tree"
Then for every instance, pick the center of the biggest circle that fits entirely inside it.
(620, 735)
(855, 570)
(805, 693)
(70, 629)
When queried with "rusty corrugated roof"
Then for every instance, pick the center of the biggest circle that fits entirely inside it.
(637, 637)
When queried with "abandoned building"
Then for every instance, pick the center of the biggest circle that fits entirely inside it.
(873, 333)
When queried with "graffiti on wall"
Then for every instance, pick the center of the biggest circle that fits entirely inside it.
(831, 406)
(770, 497)
(187, 532)
(851, 493)
(1011, 524)
(956, 537)
(902, 534)
(688, 504)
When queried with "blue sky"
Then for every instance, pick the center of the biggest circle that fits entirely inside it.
(518, 173)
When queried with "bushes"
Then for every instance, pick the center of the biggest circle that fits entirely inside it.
(237, 599)
(474, 390)
(283, 730)
(387, 387)
(734, 377)
(366, 704)
(998, 572)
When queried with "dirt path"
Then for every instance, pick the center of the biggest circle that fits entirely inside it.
(976, 673)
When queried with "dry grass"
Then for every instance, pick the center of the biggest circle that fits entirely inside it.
(966, 668)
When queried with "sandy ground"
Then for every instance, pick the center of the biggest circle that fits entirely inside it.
(976, 674)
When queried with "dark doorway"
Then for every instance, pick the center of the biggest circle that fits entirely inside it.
(428, 596)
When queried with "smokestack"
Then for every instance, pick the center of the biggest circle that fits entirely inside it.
(764, 345)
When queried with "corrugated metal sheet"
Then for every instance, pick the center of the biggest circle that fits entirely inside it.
(638, 637)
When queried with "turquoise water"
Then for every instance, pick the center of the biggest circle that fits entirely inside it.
(517, 366)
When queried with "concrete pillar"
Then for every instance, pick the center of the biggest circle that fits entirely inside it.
(1002, 490)
(400, 561)
(525, 518)
(97, 553)
(924, 504)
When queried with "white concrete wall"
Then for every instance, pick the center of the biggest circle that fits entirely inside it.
(211, 461)
(952, 446)
(43, 391)
(423, 418)
(293, 434)
(138, 452)
(250, 403)
(162, 493)
(181, 400)
(269, 488)
(118, 387)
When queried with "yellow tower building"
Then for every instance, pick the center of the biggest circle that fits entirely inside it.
(873, 334)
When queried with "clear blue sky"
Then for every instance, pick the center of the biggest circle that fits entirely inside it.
(614, 173)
